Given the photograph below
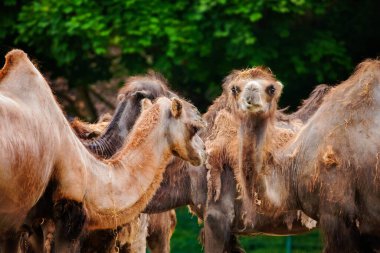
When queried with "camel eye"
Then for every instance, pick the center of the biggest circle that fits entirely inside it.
(193, 130)
(235, 90)
(271, 90)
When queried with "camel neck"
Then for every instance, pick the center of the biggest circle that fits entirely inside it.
(269, 190)
(119, 188)
(252, 136)
(117, 131)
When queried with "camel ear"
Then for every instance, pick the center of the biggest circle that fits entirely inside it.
(280, 86)
(145, 104)
(120, 97)
(176, 108)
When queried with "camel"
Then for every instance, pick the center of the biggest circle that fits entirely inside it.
(104, 139)
(181, 175)
(136, 88)
(230, 201)
(328, 169)
(154, 230)
(26, 100)
(159, 227)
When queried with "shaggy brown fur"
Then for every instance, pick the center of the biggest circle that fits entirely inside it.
(68, 163)
(308, 106)
(226, 127)
(173, 190)
(231, 145)
(329, 168)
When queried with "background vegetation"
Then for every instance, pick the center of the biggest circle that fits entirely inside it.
(194, 44)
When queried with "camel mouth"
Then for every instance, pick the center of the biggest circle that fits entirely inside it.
(252, 108)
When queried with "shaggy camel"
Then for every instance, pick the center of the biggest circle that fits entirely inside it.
(26, 100)
(181, 176)
(328, 169)
(229, 147)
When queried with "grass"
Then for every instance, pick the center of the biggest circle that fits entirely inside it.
(185, 239)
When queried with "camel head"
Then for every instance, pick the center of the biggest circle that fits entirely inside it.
(183, 121)
(254, 91)
(136, 89)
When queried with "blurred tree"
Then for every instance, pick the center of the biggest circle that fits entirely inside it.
(195, 43)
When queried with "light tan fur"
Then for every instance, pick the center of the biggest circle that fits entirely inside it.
(120, 187)
(133, 237)
(86, 130)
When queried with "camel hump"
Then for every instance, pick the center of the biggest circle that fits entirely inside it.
(368, 66)
(12, 59)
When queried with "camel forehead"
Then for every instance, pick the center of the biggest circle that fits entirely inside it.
(191, 112)
(142, 83)
(256, 84)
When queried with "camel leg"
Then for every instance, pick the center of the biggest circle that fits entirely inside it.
(219, 216)
(48, 229)
(69, 220)
(160, 229)
(340, 235)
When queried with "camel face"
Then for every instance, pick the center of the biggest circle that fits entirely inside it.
(257, 96)
(253, 91)
(184, 123)
(130, 98)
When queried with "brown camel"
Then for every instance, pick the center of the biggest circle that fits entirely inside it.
(181, 176)
(105, 144)
(230, 204)
(160, 226)
(26, 100)
(328, 169)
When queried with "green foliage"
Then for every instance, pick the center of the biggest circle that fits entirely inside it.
(194, 43)
(185, 239)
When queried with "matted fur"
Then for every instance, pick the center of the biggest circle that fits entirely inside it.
(231, 145)
(221, 143)
(329, 168)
